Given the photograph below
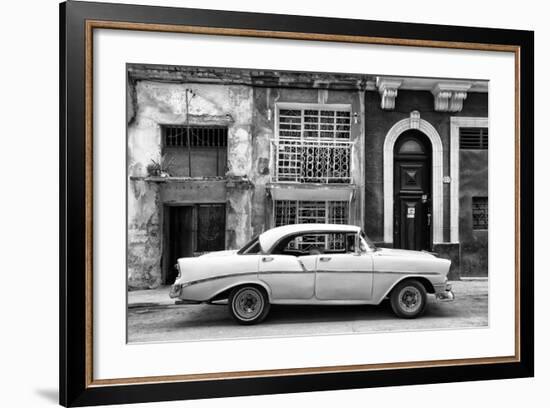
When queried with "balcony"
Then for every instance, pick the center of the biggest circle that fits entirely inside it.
(325, 161)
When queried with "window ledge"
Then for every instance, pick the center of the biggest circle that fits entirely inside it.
(170, 179)
(312, 192)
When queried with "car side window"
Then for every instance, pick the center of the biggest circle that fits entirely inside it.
(317, 243)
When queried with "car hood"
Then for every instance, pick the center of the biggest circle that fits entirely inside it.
(404, 253)
(219, 253)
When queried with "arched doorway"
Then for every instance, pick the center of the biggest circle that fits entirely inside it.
(414, 122)
(412, 195)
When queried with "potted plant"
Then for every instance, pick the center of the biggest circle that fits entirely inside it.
(160, 167)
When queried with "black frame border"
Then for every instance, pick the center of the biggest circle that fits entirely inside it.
(72, 256)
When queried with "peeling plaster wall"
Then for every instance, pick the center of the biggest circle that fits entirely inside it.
(248, 112)
(265, 99)
(152, 104)
(144, 235)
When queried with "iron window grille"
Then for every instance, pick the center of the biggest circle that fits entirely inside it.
(313, 146)
(199, 136)
(480, 213)
(313, 212)
(474, 138)
(195, 151)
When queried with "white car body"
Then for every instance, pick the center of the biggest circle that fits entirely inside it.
(365, 276)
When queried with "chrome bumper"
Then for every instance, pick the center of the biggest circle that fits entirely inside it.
(446, 295)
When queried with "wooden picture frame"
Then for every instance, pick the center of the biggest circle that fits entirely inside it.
(78, 20)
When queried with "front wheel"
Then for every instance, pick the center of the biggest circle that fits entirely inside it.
(248, 304)
(408, 299)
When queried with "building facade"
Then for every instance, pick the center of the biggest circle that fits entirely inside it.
(216, 156)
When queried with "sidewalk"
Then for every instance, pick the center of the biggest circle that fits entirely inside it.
(160, 297)
(150, 297)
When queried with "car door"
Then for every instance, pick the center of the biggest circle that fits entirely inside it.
(288, 276)
(344, 276)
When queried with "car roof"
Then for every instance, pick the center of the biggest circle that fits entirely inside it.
(270, 237)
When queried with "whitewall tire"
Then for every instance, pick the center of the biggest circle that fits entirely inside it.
(248, 304)
(408, 299)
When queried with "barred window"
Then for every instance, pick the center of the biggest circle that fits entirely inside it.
(480, 213)
(195, 151)
(314, 146)
(313, 212)
(474, 138)
(315, 123)
(199, 136)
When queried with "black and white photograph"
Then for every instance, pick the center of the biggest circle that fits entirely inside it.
(277, 204)
(270, 203)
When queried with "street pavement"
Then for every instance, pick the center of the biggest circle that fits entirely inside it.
(153, 317)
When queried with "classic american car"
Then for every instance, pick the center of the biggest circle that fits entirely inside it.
(312, 264)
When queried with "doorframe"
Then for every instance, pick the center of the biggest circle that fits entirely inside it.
(414, 122)
(166, 209)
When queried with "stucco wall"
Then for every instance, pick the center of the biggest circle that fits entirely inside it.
(249, 114)
(266, 99)
(377, 124)
(474, 176)
(157, 103)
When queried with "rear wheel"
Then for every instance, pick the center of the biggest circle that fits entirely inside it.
(248, 304)
(408, 299)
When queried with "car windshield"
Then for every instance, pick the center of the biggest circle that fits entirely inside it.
(251, 247)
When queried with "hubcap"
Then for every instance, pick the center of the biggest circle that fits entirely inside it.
(248, 304)
(410, 299)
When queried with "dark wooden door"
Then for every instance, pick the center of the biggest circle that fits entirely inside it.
(180, 238)
(211, 227)
(189, 231)
(412, 192)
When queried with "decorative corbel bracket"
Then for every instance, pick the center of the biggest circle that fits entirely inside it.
(449, 97)
(387, 87)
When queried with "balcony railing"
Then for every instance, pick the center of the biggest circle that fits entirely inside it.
(312, 160)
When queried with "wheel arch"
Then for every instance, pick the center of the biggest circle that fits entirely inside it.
(428, 285)
(224, 293)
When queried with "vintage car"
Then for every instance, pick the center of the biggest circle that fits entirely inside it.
(312, 264)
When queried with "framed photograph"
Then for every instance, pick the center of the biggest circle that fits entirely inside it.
(256, 203)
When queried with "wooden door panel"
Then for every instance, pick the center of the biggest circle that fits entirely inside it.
(414, 225)
(412, 205)
(180, 238)
(210, 227)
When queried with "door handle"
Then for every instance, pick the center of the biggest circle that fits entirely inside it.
(325, 258)
(267, 258)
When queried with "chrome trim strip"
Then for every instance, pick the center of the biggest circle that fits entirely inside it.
(409, 273)
(186, 284)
